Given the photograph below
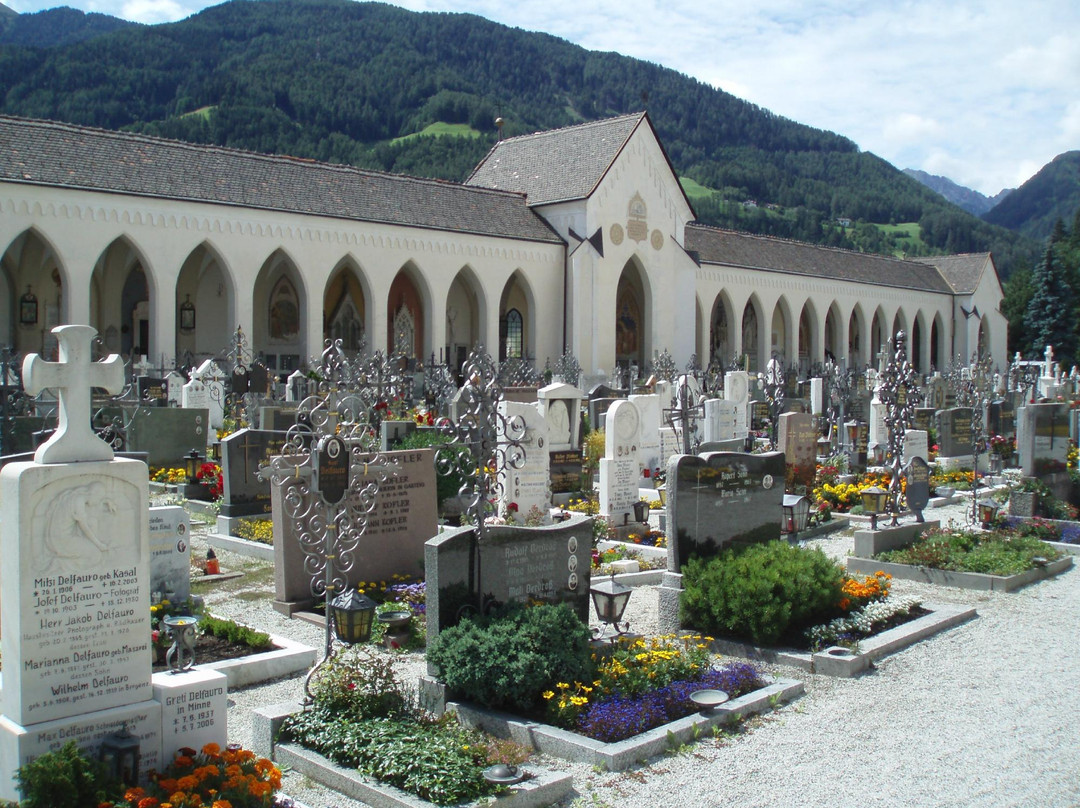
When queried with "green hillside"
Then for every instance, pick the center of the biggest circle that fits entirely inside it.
(1050, 196)
(380, 87)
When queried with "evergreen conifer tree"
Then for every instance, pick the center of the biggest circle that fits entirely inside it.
(1049, 319)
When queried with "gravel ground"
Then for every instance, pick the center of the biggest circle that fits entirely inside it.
(985, 714)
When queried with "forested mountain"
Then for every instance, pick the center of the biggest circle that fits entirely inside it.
(1036, 206)
(971, 201)
(377, 86)
(57, 26)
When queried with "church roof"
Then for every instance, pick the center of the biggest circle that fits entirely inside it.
(962, 272)
(558, 165)
(716, 246)
(59, 154)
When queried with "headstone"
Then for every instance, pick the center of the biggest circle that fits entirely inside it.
(277, 418)
(296, 386)
(759, 415)
(670, 445)
(737, 391)
(526, 487)
(565, 471)
(798, 440)
(548, 564)
(879, 432)
(720, 420)
(1001, 417)
(619, 468)
(923, 418)
(152, 390)
(212, 379)
(858, 454)
(242, 452)
(649, 423)
(405, 515)
(392, 432)
(560, 404)
(722, 499)
(174, 386)
(916, 444)
(817, 395)
(917, 486)
(170, 554)
(954, 437)
(936, 392)
(1043, 440)
(598, 408)
(167, 434)
(74, 585)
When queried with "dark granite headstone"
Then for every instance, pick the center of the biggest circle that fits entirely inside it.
(606, 391)
(565, 472)
(721, 499)
(244, 494)
(549, 564)
(167, 434)
(152, 390)
(954, 432)
(857, 457)
(598, 408)
(733, 445)
(759, 414)
(1001, 418)
(277, 418)
(917, 486)
(924, 418)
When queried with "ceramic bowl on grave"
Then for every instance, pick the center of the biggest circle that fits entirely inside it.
(707, 699)
(396, 620)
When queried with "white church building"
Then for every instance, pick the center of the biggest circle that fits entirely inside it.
(575, 240)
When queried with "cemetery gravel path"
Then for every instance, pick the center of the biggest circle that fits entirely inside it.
(985, 714)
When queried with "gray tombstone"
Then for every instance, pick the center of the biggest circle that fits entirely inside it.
(549, 564)
(722, 499)
(243, 492)
(798, 440)
(167, 434)
(170, 554)
(917, 487)
(954, 437)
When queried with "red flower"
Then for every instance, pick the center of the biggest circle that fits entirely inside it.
(513, 506)
(646, 473)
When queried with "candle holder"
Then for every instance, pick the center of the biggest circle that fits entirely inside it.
(181, 655)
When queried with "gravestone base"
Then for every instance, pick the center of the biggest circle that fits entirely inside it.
(19, 745)
(670, 592)
(869, 543)
(194, 707)
(955, 462)
(631, 528)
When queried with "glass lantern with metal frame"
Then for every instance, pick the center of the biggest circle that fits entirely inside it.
(609, 599)
(874, 500)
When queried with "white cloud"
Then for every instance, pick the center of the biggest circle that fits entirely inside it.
(155, 11)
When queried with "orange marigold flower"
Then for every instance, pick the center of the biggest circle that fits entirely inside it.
(149, 802)
(221, 804)
(134, 794)
(211, 749)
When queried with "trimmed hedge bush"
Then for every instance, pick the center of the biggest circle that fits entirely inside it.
(760, 592)
(507, 660)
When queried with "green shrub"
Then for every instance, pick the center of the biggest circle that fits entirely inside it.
(361, 683)
(234, 632)
(446, 485)
(999, 552)
(65, 778)
(760, 592)
(507, 660)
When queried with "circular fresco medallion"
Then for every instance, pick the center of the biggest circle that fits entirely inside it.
(657, 239)
(616, 234)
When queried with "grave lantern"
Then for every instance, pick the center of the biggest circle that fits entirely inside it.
(503, 774)
(873, 502)
(641, 511)
(610, 598)
(796, 515)
(352, 613)
(120, 754)
(191, 466)
(988, 511)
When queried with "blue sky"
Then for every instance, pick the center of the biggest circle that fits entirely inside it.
(984, 92)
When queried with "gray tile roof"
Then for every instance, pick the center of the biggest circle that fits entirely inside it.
(558, 165)
(60, 154)
(962, 272)
(716, 246)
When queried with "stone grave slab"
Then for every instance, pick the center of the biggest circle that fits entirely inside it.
(917, 486)
(242, 452)
(404, 517)
(194, 708)
(167, 434)
(619, 468)
(528, 486)
(916, 444)
(565, 469)
(722, 499)
(549, 564)
(798, 440)
(954, 436)
(560, 404)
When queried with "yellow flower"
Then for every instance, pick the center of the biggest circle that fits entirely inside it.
(548, 695)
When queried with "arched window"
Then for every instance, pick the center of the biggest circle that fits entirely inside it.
(404, 332)
(514, 333)
(284, 314)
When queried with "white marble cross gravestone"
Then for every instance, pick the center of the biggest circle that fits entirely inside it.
(73, 377)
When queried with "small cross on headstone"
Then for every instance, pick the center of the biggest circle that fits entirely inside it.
(73, 378)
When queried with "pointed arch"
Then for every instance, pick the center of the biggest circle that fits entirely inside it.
(878, 336)
(206, 284)
(633, 299)
(752, 324)
(833, 331)
(780, 330)
(279, 312)
(408, 313)
(937, 342)
(982, 341)
(856, 329)
(466, 310)
(721, 337)
(120, 298)
(900, 323)
(809, 347)
(517, 305)
(345, 307)
(918, 339)
(31, 272)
